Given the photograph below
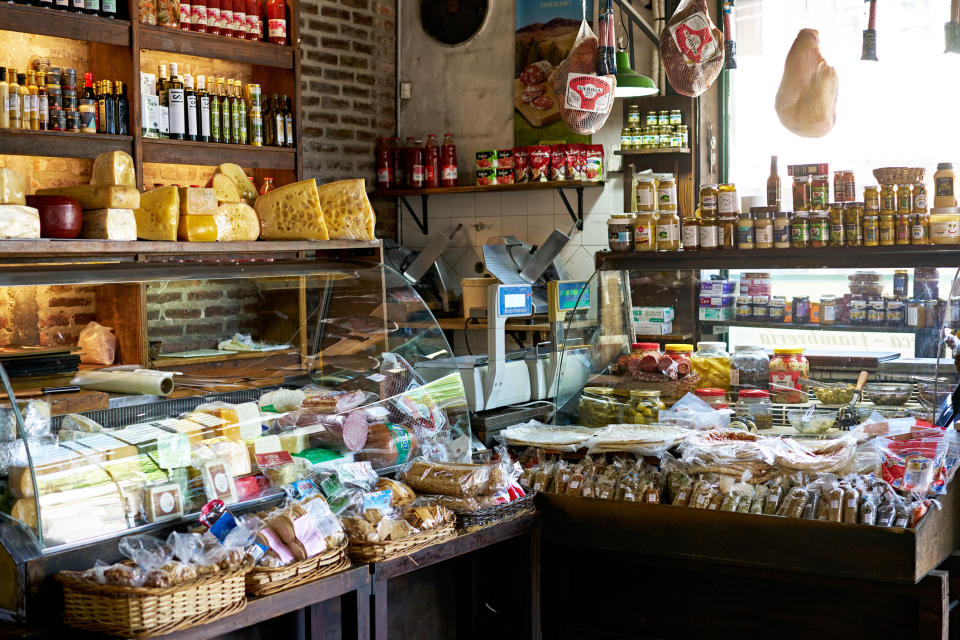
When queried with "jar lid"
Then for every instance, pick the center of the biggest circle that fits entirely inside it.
(679, 348)
(708, 186)
(711, 345)
(748, 347)
(754, 393)
(945, 165)
(710, 392)
(791, 351)
(644, 393)
(600, 391)
(744, 299)
(646, 346)
(645, 179)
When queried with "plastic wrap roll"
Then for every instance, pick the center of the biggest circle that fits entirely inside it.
(140, 381)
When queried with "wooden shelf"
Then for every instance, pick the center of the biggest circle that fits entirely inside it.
(92, 249)
(651, 152)
(475, 188)
(219, 47)
(60, 144)
(214, 153)
(64, 24)
(809, 326)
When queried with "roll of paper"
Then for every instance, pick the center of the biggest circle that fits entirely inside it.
(140, 381)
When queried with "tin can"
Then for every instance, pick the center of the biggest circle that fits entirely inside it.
(73, 120)
(256, 129)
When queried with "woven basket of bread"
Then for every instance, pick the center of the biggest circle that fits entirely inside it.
(473, 520)
(367, 551)
(265, 581)
(142, 612)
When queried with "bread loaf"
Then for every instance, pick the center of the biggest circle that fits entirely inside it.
(445, 478)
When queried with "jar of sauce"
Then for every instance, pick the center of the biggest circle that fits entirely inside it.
(709, 234)
(919, 198)
(871, 198)
(778, 308)
(646, 195)
(903, 224)
(888, 229)
(853, 224)
(727, 233)
(781, 230)
(667, 195)
(620, 232)
(645, 231)
(800, 230)
(746, 231)
(727, 205)
(828, 310)
(871, 230)
(801, 193)
(690, 234)
(920, 229)
(708, 201)
(786, 368)
(668, 231)
(836, 225)
(944, 185)
(763, 227)
(801, 310)
(819, 229)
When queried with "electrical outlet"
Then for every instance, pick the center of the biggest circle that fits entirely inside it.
(406, 90)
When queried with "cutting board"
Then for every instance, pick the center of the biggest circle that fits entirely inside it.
(536, 117)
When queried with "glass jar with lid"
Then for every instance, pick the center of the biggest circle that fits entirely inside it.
(903, 223)
(715, 397)
(643, 408)
(858, 312)
(801, 193)
(684, 136)
(646, 194)
(620, 232)
(876, 312)
(652, 119)
(781, 230)
(895, 312)
(871, 230)
(667, 195)
(650, 136)
(836, 224)
(690, 234)
(678, 352)
(626, 139)
(778, 308)
(640, 349)
(916, 313)
(746, 231)
(663, 118)
(727, 202)
(887, 229)
(763, 227)
(800, 230)
(787, 366)
(750, 368)
(801, 310)
(599, 407)
(744, 307)
(888, 198)
(666, 135)
(829, 306)
(668, 231)
(761, 308)
(819, 228)
(645, 231)
(871, 198)
(633, 115)
(727, 233)
(636, 136)
(708, 201)
(853, 224)
(676, 117)
(709, 234)
(755, 403)
(712, 362)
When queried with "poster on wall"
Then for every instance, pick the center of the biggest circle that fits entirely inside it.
(546, 31)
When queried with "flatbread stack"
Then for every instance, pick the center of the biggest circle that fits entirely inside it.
(346, 210)
(542, 436)
(643, 439)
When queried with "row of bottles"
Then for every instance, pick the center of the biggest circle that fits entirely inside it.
(242, 19)
(217, 110)
(102, 8)
(416, 165)
(47, 100)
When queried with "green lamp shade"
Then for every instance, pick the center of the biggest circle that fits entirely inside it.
(631, 84)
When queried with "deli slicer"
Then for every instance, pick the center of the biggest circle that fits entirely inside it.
(426, 270)
(516, 262)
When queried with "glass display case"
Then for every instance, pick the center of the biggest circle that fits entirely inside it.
(258, 372)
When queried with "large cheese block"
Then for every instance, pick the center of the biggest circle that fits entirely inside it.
(98, 196)
(292, 212)
(224, 188)
(109, 224)
(226, 420)
(240, 180)
(237, 222)
(12, 190)
(195, 201)
(158, 214)
(197, 229)
(346, 210)
(248, 416)
(19, 221)
(114, 167)
(231, 451)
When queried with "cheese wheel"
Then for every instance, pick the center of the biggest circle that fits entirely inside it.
(114, 167)
(109, 224)
(93, 197)
(19, 221)
(158, 214)
(224, 189)
(292, 212)
(346, 210)
(237, 222)
(12, 190)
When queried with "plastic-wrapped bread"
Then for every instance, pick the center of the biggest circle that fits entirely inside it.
(453, 479)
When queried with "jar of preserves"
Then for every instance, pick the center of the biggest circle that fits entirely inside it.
(761, 308)
(819, 192)
(708, 201)
(828, 309)
(645, 232)
(712, 362)
(620, 232)
(762, 227)
(819, 229)
(836, 224)
(640, 349)
(787, 366)
(678, 352)
(727, 233)
(801, 310)
(904, 198)
(903, 225)
(690, 234)
(876, 312)
(778, 308)
(709, 234)
(715, 397)
(755, 404)
(781, 230)
(667, 195)
(651, 119)
(750, 368)
(801, 193)
(633, 115)
(744, 307)
(598, 407)
(745, 231)
(871, 230)
(646, 194)
(888, 198)
(668, 231)
(895, 312)
(853, 224)
(800, 230)
(888, 229)
(920, 229)
(644, 407)
(901, 282)
(676, 117)
(727, 204)
(871, 199)
(858, 312)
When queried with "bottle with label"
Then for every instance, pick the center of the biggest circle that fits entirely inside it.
(186, 13)
(414, 164)
(277, 21)
(255, 115)
(202, 110)
(226, 133)
(214, 95)
(448, 162)
(88, 106)
(162, 93)
(198, 16)
(108, 8)
(944, 186)
(213, 20)
(280, 131)
(267, 186)
(242, 106)
(432, 162)
(240, 19)
(269, 123)
(253, 20)
(110, 102)
(175, 101)
(91, 7)
(32, 101)
(773, 185)
(384, 164)
(226, 18)
(122, 110)
(235, 133)
(190, 106)
(14, 108)
(101, 107)
(43, 106)
(77, 6)
(288, 121)
(4, 99)
(399, 153)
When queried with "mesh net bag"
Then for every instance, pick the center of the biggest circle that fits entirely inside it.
(691, 48)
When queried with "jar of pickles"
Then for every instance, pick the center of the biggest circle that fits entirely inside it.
(801, 193)
(712, 362)
(871, 198)
(598, 407)
(787, 366)
(727, 233)
(755, 403)
(853, 224)
(871, 230)
(819, 229)
(750, 368)
(633, 115)
(836, 224)
(643, 408)
(888, 198)
(888, 229)
(715, 397)
(800, 230)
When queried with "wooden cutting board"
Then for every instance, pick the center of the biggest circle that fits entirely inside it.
(536, 117)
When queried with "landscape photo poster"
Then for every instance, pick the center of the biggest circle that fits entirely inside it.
(546, 31)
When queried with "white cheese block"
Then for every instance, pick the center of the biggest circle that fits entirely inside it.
(114, 167)
(19, 221)
(248, 415)
(11, 187)
(109, 224)
(237, 222)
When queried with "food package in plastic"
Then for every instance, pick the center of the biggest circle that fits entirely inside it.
(98, 344)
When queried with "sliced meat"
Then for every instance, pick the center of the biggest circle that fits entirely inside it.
(543, 102)
(691, 47)
(807, 99)
(531, 93)
(535, 73)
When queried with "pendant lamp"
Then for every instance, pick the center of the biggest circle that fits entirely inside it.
(631, 84)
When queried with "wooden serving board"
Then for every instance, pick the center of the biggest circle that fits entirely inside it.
(536, 117)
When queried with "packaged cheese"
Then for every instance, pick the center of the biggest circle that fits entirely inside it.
(292, 212)
(197, 229)
(248, 417)
(195, 201)
(114, 167)
(346, 210)
(158, 214)
(19, 221)
(12, 190)
(218, 482)
(240, 180)
(237, 222)
(164, 502)
(225, 419)
(98, 197)
(295, 440)
(224, 188)
(109, 224)
(232, 452)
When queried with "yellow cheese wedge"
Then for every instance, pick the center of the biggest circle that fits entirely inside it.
(240, 180)
(346, 210)
(97, 196)
(114, 167)
(292, 212)
(109, 224)
(237, 222)
(11, 187)
(197, 229)
(224, 188)
(158, 214)
(19, 221)
(228, 420)
(195, 201)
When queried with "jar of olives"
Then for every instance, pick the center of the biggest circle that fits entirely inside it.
(644, 407)
(755, 403)
(599, 407)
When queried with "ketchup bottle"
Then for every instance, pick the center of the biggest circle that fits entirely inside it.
(198, 21)
(213, 17)
(186, 15)
(384, 165)
(240, 19)
(399, 156)
(448, 162)
(277, 21)
(431, 162)
(226, 18)
(253, 20)
(417, 161)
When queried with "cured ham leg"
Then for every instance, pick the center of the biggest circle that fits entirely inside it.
(807, 99)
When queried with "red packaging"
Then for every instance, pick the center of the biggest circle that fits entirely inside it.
(505, 159)
(540, 158)
(558, 158)
(571, 158)
(521, 165)
(486, 177)
(594, 166)
(581, 162)
(505, 176)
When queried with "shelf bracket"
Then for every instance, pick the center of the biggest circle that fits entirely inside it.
(577, 216)
(422, 224)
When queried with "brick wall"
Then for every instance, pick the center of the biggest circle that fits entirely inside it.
(45, 316)
(198, 314)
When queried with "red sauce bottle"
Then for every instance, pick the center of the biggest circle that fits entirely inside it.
(226, 18)
(198, 20)
(213, 17)
(448, 162)
(431, 162)
(277, 21)
(384, 164)
(417, 160)
(253, 20)
(240, 19)
(398, 153)
(186, 15)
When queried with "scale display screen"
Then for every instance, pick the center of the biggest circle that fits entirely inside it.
(568, 296)
(515, 300)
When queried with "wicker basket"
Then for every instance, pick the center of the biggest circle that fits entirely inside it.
(473, 520)
(363, 551)
(264, 581)
(142, 612)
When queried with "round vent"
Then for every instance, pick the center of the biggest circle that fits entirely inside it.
(452, 21)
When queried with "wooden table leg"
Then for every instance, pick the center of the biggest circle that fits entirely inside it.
(535, 631)
(378, 608)
(316, 620)
(933, 605)
(355, 615)
(468, 595)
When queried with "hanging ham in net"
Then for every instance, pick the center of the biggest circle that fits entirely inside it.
(691, 48)
(807, 99)
(585, 98)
